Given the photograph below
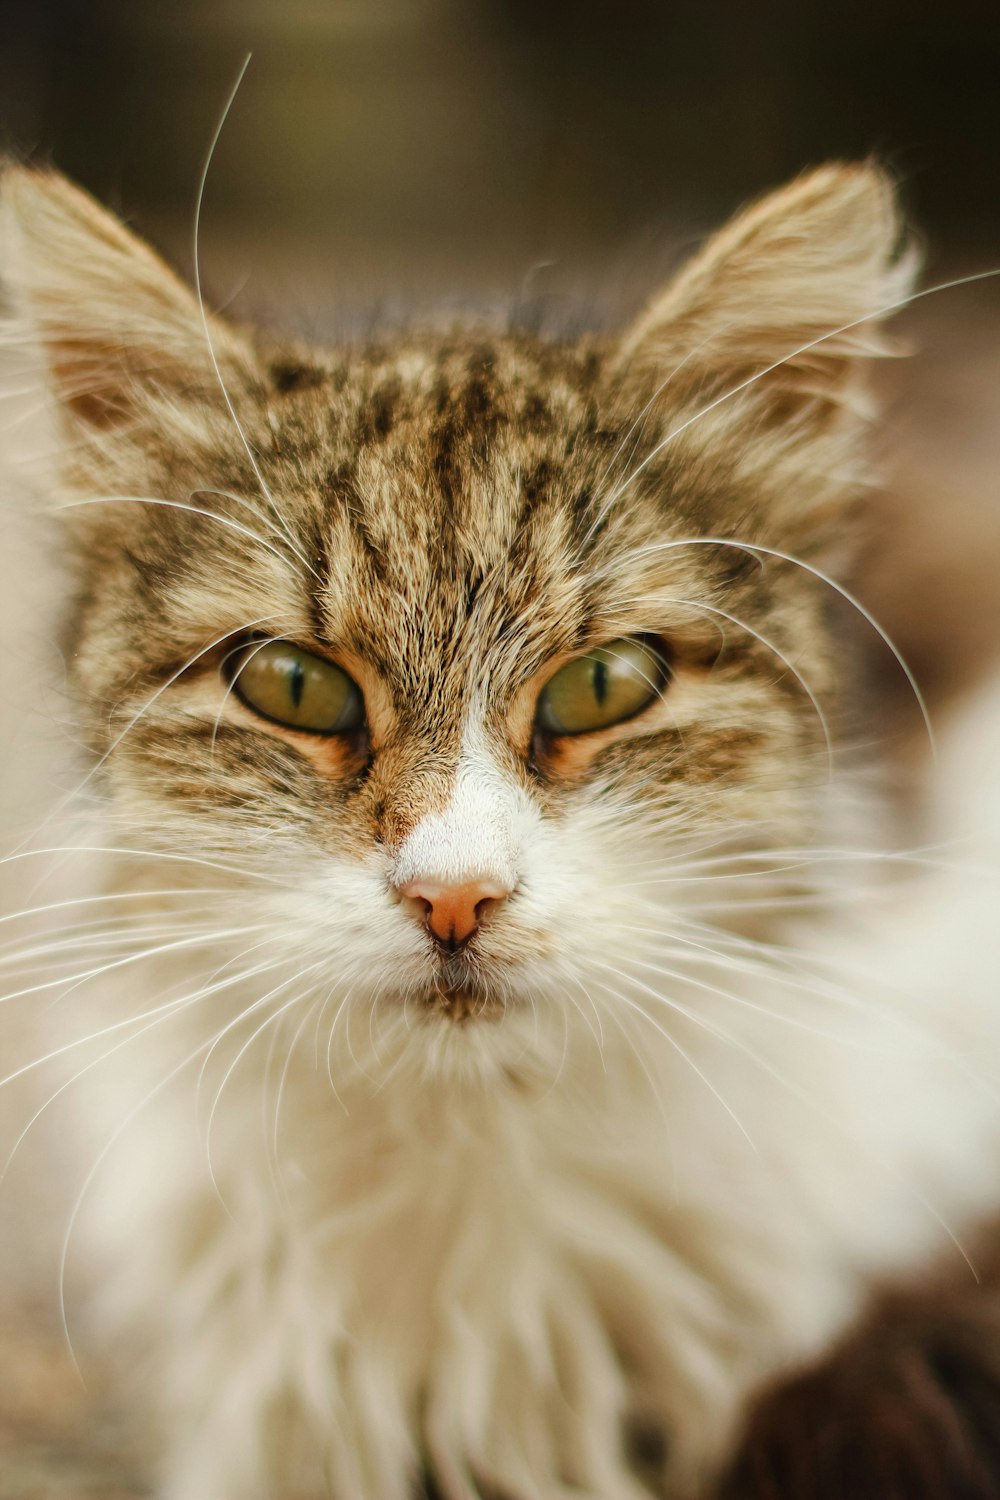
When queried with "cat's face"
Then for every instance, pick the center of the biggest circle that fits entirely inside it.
(467, 661)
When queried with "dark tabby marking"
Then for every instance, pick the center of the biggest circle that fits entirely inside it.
(292, 375)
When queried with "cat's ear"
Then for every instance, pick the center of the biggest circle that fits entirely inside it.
(112, 322)
(786, 302)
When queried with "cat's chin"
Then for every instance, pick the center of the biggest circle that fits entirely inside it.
(461, 1004)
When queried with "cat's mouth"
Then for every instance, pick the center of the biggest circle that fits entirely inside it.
(461, 1002)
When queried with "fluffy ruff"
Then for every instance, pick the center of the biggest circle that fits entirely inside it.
(491, 1258)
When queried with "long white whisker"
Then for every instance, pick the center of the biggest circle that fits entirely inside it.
(282, 531)
(194, 510)
(87, 938)
(132, 958)
(256, 649)
(160, 1013)
(835, 1121)
(268, 1021)
(672, 1041)
(733, 391)
(329, 1049)
(134, 853)
(825, 578)
(204, 315)
(786, 661)
(731, 965)
(289, 1054)
(92, 1173)
(598, 1035)
(102, 896)
(174, 677)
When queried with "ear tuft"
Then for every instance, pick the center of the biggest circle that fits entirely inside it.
(801, 281)
(110, 318)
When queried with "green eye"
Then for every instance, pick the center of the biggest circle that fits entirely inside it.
(291, 686)
(605, 687)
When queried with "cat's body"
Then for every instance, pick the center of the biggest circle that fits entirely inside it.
(556, 1087)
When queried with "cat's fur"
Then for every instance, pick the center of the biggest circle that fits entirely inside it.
(652, 1134)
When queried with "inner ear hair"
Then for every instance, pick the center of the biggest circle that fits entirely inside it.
(797, 285)
(112, 321)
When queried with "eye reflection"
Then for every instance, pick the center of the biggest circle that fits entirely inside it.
(607, 686)
(290, 686)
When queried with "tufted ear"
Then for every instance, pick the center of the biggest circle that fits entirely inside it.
(800, 281)
(114, 325)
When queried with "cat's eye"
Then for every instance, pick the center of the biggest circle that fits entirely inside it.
(605, 687)
(293, 687)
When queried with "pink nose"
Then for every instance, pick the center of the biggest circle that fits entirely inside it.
(453, 912)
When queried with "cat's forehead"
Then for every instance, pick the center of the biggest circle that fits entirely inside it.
(447, 512)
(441, 444)
(459, 483)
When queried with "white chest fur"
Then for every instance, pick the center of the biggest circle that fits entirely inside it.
(493, 1274)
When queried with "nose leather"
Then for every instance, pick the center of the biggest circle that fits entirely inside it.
(452, 913)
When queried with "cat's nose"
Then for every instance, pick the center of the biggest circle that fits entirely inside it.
(452, 913)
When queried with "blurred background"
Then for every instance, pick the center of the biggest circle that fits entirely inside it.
(393, 146)
(412, 146)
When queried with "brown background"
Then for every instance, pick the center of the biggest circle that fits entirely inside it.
(453, 146)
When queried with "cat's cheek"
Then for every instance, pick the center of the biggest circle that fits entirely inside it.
(342, 910)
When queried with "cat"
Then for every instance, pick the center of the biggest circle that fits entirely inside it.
(496, 1045)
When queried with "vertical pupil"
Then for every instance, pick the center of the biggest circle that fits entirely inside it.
(600, 683)
(296, 682)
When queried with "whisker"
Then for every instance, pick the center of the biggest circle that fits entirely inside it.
(102, 896)
(733, 391)
(825, 578)
(161, 1013)
(612, 1013)
(231, 684)
(252, 457)
(289, 1054)
(786, 661)
(268, 1021)
(329, 1050)
(91, 1174)
(280, 530)
(194, 510)
(672, 1041)
(837, 1123)
(730, 965)
(135, 853)
(175, 946)
(598, 1035)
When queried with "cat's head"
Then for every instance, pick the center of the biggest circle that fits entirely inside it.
(465, 662)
